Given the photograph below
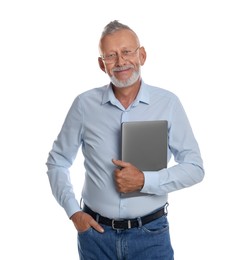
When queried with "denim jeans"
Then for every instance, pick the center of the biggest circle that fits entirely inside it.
(150, 241)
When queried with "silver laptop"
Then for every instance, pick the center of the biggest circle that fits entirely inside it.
(145, 143)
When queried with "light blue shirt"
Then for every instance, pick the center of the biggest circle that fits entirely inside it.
(94, 124)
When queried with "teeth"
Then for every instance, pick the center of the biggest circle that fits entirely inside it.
(122, 68)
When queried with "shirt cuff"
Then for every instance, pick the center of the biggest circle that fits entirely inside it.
(151, 182)
(71, 207)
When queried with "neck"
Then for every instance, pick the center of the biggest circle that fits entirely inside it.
(127, 95)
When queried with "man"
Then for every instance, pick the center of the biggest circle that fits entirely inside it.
(124, 214)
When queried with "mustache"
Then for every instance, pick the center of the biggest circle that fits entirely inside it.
(123, 68)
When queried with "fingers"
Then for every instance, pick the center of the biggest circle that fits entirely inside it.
(127, 177)
(84, 221)
(96, 226)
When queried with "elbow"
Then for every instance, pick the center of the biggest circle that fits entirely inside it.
(200, 174)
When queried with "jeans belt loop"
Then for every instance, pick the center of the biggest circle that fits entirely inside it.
(113, 224)
(97, 218)
(139, 222)
(129, 224)
(166, 208)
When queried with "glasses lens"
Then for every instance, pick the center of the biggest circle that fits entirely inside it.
(111, 58)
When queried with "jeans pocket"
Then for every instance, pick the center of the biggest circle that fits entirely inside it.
(157, 226)
(85, 231)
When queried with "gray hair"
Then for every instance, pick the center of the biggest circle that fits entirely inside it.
(113, 27)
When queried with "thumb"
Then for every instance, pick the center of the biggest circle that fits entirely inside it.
(120, 163)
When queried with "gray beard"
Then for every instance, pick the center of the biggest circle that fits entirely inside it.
(123, 84)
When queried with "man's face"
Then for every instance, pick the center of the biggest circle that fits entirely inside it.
(122, 57)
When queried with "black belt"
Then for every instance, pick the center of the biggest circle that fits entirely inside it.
(126, 223)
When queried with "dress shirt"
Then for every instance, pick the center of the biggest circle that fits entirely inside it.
(94, 124)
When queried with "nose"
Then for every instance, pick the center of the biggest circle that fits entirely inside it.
(120, 59)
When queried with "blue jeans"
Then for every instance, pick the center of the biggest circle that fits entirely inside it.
(151, 241)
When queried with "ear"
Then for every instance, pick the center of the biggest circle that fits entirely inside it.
(143, 55)
(101, 64)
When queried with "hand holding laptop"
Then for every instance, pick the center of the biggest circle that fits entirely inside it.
(127, 177)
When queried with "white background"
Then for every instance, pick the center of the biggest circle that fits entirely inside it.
(197, 49)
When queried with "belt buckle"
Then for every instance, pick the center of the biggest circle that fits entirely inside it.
(113, 225)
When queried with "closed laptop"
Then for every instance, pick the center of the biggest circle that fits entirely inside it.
(145, 143)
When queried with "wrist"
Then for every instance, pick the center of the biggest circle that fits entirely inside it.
(75, 215)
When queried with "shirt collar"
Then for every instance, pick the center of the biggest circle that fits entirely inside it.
(143, 95)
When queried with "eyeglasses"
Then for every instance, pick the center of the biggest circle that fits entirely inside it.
(125, 54)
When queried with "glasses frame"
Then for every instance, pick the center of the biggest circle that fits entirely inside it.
(112, 58)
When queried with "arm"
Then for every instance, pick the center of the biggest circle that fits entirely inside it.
(187, 172)
(184, 147)
(62, 156)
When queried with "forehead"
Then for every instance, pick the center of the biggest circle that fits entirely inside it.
(119, 39)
